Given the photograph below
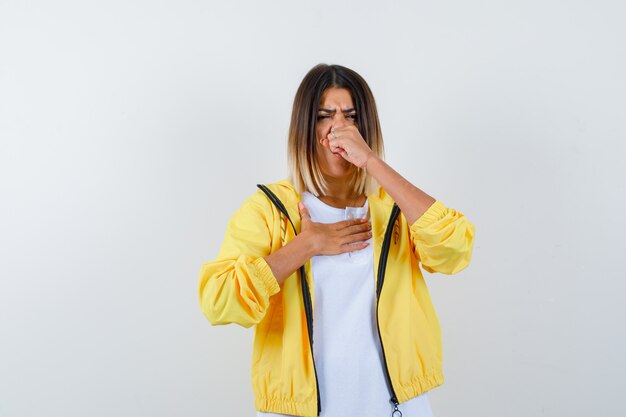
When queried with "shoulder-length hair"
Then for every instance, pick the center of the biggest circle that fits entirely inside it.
(304, 169)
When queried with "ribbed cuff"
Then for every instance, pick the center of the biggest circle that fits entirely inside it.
(267, 276)
(435, 212)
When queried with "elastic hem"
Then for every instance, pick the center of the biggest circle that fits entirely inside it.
(267, 276)
(435, 212)
(420, 385)
(295, 408)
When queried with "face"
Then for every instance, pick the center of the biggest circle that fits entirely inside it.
(336, 110)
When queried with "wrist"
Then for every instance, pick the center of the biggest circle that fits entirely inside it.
(308, 245)
(371, 155)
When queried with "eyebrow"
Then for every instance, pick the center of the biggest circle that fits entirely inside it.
(332, 111)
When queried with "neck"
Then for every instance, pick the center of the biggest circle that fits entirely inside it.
(340, 188)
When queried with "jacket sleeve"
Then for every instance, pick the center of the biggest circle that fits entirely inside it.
(443, 239)
(237, 285)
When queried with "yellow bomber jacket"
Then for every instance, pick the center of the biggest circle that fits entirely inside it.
(239, 287)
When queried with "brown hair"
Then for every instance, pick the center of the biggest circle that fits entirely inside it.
(304, 168)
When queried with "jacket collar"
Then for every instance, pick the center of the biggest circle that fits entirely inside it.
(286, 191)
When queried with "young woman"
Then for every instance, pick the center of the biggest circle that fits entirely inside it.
(326, 265)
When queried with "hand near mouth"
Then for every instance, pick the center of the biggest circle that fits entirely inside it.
(348, 143)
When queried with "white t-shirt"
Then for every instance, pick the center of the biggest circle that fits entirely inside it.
(346, 345)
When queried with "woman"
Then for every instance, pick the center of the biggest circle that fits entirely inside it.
(325, 264)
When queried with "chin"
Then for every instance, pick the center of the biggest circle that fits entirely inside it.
(337, 168)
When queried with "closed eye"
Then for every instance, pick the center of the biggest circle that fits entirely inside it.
(352, 116)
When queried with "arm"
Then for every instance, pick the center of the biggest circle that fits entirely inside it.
(442, 238)
(413, 202)
(286, 260)
(237, 285)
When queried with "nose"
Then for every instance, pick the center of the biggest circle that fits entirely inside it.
(340, 121)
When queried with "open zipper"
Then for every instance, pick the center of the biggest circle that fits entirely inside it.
(306, 295)
(395, 211)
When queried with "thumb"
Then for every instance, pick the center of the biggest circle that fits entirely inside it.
(304, 212)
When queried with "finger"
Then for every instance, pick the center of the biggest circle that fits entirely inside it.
(338, 147)
(334, 141)
(350, 222)
(358, 237)
(351, 247)
(363, 236)
(339, 130)
(304, 212)
(356, 228)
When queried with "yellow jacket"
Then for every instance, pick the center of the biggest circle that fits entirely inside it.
(239, 287)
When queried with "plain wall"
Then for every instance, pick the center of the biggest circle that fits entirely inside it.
(131, 131)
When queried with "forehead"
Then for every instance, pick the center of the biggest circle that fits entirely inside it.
(336, 97)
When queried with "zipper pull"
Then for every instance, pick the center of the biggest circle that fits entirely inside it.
(396, 412)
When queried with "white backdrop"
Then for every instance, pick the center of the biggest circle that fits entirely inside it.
(131, 130)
